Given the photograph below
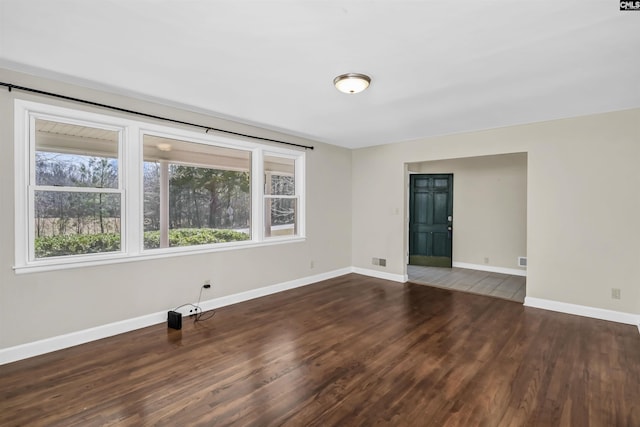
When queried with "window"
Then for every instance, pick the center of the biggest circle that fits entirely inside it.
(98, 189)
(77, 200)
(195, 194)
(280, 198)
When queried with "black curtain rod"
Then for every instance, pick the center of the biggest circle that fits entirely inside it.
(152, 116)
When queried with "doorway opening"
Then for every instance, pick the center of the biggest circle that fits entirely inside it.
(486, 228)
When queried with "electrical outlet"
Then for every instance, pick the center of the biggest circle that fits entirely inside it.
(206, 284)
(382, 262)
(375, 261)
(615, 293)
(312, 264)
(486, 260)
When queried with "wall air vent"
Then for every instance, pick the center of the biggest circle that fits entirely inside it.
(522, 261)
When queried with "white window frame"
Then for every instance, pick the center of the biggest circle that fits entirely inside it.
(169, 133)
(131, 187)
(298, 193)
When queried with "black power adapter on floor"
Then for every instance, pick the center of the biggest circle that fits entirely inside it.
(174, 320)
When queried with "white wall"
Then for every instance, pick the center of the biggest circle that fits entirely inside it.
(489, 207)
(36, 306)
(583, 203)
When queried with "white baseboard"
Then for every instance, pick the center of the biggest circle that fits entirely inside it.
(47, 345)
(585, 311)
(380, 274)
(268, 290)
(492, 269)
(24, 351)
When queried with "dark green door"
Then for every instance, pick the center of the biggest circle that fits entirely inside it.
(430, 219)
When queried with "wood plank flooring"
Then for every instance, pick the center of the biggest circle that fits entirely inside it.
(350, 351)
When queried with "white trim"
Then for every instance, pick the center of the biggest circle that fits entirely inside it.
(582, 310)
(402, 278)
(268, 290)
(47, 345)
(120, 257)
(21, 124)
(490, 268)
(61, 189)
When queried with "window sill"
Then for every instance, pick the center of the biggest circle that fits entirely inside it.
(50, 265)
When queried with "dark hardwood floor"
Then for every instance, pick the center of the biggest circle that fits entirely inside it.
(347, 351)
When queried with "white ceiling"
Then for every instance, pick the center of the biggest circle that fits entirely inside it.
(437, 66)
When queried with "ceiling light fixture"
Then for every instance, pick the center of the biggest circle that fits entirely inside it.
(352, 82)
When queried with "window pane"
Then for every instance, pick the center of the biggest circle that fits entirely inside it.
(195, 194)
(280, 216)
(279, 176)
(75, 156)
(282, 185)
(71, 223)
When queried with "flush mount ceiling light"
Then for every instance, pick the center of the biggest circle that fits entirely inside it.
(352, 82)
